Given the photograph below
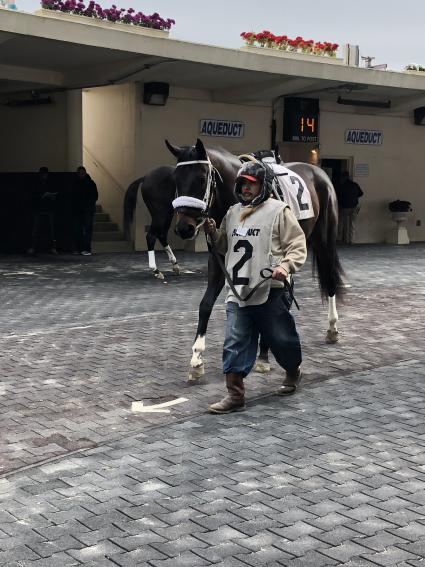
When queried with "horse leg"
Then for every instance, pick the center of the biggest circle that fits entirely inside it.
(150, 240)
(332, 334)
(163, 239)
(214, 287)
(262, 363)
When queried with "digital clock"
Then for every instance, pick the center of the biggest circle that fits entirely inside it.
(301, 119)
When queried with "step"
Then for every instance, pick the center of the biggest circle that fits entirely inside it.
(112, 246)
(106, 236)
(99, 209)
(105, 227)
(101, 217)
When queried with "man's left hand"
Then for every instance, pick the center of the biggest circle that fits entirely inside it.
(279, 273)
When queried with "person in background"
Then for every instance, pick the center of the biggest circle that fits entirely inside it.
(43, 207)
(349, 194)
(84, 199)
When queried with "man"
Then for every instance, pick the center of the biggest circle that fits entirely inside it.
(258, 232)
(43, 207)
(349, 194)
(85, 197)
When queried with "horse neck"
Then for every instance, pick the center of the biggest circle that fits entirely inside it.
(227, 166)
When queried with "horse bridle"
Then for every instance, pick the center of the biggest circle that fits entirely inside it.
(205, 203)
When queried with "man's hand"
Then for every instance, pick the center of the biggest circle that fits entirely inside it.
(279, 273)
(210, 227)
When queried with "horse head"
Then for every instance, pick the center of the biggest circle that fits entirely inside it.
(194, 179)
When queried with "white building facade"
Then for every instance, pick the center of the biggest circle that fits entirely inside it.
(231, 98)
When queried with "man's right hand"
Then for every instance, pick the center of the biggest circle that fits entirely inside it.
(210, 227)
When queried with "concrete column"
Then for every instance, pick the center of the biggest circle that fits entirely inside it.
(75, 128)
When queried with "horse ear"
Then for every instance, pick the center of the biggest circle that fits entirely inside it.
(175, 150)
(200, 148)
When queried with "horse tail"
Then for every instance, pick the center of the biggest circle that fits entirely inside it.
(326, 263)
(130, 201)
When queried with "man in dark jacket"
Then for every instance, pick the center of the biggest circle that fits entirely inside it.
(43, 209)
(85, 197)
(349, 193)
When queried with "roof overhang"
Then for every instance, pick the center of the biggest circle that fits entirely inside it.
(47, 54)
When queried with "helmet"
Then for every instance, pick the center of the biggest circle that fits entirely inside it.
(254, 171)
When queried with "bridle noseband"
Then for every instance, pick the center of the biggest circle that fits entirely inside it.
(204, 204)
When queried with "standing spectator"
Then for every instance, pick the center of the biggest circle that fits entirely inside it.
(349, 194)
(43, 208)
(85, 197)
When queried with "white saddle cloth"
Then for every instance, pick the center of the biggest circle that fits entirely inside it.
(292, 189)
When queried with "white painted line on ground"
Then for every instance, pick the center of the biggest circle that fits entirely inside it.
(156, 408)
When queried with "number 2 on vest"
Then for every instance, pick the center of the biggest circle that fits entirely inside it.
(247, 246)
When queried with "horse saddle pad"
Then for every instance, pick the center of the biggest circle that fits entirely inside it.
(293, 190)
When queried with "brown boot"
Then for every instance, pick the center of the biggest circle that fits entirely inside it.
(235, 400)
(291, 382)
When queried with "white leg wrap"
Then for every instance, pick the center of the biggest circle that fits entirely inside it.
(152, 262)
(170, 255)
(197, 351)
(332, 335)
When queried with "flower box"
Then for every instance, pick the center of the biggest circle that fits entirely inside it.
(151, 32)
(293, 55)
(414, 72)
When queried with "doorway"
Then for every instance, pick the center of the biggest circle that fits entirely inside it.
(334, 167)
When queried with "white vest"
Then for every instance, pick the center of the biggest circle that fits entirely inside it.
(249, 250)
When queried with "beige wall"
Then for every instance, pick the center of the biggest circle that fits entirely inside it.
(75, 129)
(396, 169)
(109, 137)
(124, 139)
(178, 121)
(35, 136)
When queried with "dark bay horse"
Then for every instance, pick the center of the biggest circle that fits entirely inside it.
(207, 176)
(158, 190)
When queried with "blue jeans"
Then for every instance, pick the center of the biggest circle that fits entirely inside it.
(275, 323)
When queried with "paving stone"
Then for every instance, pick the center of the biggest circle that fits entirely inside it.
(55, 560)
(48, 548)
(311, 559)
(187, 559)
(95, 552)
(391, 556)
(301, 545)
(267, 555)
(216, 553)
(345, 551)
(296, 530)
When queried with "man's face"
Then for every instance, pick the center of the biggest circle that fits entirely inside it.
(250, 190)
(81, 173)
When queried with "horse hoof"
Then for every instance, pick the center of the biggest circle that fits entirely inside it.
(159, 275)
(262, 366)
(195, 373)
(332, 336)
(176, 269)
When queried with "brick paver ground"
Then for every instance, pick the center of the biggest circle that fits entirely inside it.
(332, 476)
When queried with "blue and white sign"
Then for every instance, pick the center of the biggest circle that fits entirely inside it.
(223, 128)
(365, 137)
